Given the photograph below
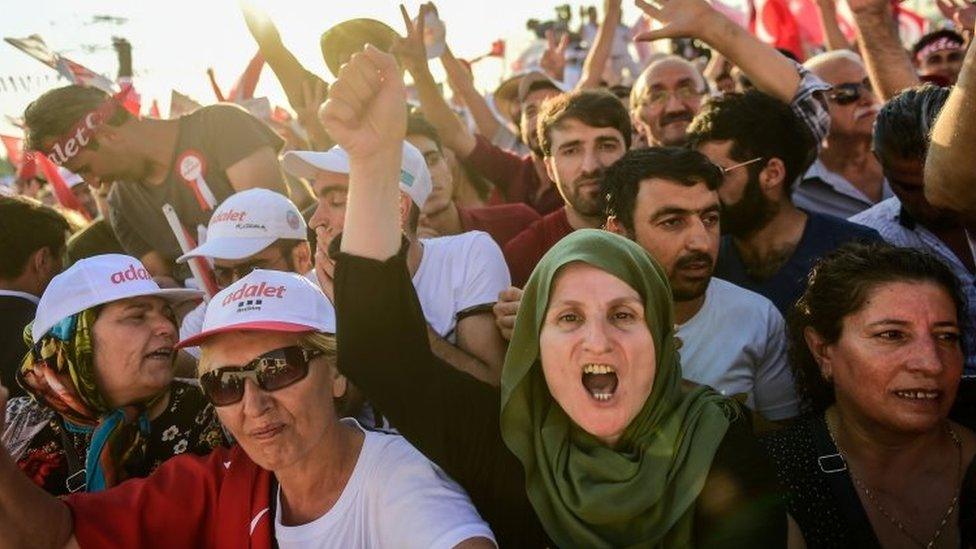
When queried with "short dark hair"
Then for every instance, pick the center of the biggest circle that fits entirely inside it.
(55, 112)
(904, 123)
(621, 183)
(927, 39)
(758, 125)
(595, 108)
(27, 225)
(417, 124)
(837, 287)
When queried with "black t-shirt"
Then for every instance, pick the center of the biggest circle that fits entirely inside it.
(15, 313)
(219, 136)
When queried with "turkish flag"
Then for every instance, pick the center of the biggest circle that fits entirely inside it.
(60, 189)
(774, 23)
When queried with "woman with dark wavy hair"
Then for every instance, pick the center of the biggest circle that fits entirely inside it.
(876, 347)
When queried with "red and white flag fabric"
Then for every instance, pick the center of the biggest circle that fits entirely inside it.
(15, 149)
(35, 47)
(911, 25)
(83, 76)
(774, 23)
(243, 88)
(62, 193)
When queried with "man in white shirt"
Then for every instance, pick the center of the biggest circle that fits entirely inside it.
(457, 278)
(731, 339)
(252, 229)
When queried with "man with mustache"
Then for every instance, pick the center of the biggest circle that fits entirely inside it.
(580, 135)
(846, 178)
(732, 339)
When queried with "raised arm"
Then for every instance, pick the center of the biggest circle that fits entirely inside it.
(889, 67)
(950, 168)
(29, 516)
(462, 83)
(834, 39)
(596, 58)
(413, 56)
(769, 70)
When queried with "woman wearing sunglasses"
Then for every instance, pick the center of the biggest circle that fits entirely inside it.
(299, 476)
(104, 406)
(598, 443)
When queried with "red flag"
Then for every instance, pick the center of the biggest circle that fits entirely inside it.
(82, 75)
(154, 110)
(244, 87)
(773, 23)
(280, 115)
(60, 189)
(911, 26)
(15, 149)
(27, 169)
(497, 48)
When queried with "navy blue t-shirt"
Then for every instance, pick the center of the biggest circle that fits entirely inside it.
(822, 234)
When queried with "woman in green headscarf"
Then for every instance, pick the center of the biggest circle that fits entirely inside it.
(597, 443)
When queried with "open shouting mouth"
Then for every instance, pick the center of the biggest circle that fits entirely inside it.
(600, 381)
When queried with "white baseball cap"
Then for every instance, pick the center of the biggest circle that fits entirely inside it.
(248, 222)
(271, 301)
(414, 176)
(95, 281)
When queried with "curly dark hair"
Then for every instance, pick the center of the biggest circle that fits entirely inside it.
(758, 125)
(839, 286)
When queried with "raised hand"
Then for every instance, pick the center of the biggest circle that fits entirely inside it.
(962, 13)
(680, 18)
(366, 113)
(506, 309)
(410, 50)
(553, 60)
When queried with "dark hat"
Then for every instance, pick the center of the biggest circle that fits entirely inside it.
(341, 41)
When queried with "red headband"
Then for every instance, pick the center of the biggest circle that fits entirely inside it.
(75, 139)
(942, 44)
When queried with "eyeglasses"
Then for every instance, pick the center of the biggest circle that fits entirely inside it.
(225, 276)
(725, 171)
(849, 92)
(271, 371)
(660, 96)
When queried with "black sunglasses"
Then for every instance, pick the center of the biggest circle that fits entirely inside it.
(273, 370)
(848, 92)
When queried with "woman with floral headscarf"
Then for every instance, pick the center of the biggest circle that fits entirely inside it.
(104, 406)
(598, 444)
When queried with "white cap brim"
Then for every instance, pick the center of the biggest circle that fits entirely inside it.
(257, 326)
(228, 248)
(307, 163)
(171, 295)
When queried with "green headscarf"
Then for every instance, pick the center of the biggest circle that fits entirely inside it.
(643, 491)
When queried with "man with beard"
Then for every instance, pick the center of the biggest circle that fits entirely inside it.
(762, 147)
(846, 178)
(191, 163)
(901, 139)
(580, 134)
(732, 339)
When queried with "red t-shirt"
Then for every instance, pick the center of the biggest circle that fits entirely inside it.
(514, 176)
(523, 252)
(221, 500)
(502, 222)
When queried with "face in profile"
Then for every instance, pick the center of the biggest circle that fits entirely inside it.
(278, 428)
(597, 353)
(897, 363)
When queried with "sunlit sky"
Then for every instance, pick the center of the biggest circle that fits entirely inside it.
(175, 41)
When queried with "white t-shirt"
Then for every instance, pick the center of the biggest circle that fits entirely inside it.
(456, 273)
(736, 344)
(395, 498)
(193, 321)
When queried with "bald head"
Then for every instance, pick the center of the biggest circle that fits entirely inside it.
(664, 99)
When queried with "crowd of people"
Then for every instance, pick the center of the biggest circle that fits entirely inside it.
(620, 301)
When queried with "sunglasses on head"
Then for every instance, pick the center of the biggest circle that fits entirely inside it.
(271, 371)
(848, 92)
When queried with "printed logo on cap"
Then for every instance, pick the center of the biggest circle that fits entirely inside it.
(407, 178)
(250, 297)
(130, 274)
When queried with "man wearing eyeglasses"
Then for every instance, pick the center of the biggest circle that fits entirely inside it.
(846, 178)
(253, 229)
